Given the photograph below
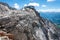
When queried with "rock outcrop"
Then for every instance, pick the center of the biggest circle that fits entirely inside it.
(26, 24)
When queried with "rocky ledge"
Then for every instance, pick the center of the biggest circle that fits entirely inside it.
(26, 24)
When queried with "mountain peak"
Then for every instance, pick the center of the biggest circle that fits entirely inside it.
(5, 4)
(26, 24)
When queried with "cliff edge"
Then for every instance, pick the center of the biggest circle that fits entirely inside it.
(26, 24)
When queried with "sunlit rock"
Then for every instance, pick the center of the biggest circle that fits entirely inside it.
(26, 24)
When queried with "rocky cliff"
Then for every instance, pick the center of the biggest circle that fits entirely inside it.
(26, 24)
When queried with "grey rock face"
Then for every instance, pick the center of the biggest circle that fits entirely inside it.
(26, 24)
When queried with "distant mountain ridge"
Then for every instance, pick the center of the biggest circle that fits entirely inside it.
(52, 16)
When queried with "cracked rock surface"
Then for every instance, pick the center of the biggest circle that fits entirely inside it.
(26, 24)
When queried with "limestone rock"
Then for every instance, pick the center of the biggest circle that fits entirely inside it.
(26, 24)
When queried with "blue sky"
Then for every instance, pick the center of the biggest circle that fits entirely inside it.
(40, 5)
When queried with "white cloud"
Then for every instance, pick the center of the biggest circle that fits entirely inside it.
(16, 6)
(32, 4)
(49, 10)
(44, 6)
(50, 0)
(25, 5)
